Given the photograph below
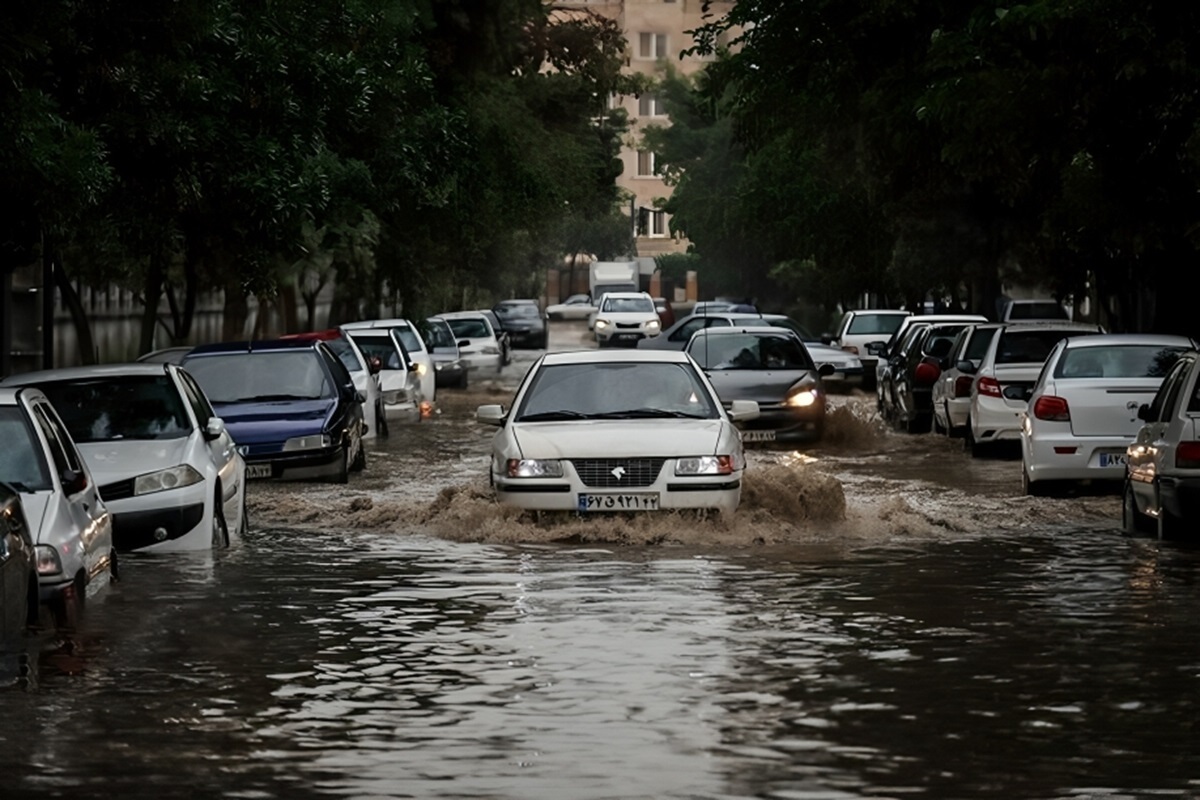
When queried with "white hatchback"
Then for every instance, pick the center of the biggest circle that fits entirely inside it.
(399, 383)
(1083, 410)
(625, 318)
(71, 527)
(478, 345)
(416, 349)
(166, 466)
(617, 431)
(862, 325)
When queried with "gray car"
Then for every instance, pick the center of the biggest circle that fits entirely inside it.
(448, 368)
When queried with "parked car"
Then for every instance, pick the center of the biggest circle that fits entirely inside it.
(69, 523)
(884, 350)
(291, 407)
(524, 322)
(477, 343)
(1162, 478)
(417, 351)
(577, 306)
(951, 394)
(1006, 375)
(916, 371)
(624, 318)
(772, 367)
(885, 390)
(448, 368)
(502, 337)
(860, 326)
(167, 468)
(167, 355)
(18, 570)
(847, 367)
(363, 370)
(1082, 412)
(1039, 310)
(399, 382)
(617, 431)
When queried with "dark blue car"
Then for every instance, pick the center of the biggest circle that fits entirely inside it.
(291, 407)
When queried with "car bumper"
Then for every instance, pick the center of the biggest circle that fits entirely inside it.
(621, 338)
(1071, 458)
(477, 362)
(720, 492)
(1180, 496)
(526, 338)
(784, 425)
(449, 375)
(957, 411)
(176, 516)
(993, 420)
(296, 466)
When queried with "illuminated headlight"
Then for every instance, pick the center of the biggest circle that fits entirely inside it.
(601, 324)
(315, 442)
(48, 562)
(802, 399)
(422, 369)
(164, 479)
(445, 365)
(707, 465)
(534, 468)
(653, 326)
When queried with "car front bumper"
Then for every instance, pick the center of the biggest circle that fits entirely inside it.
(304, 465)
(668, 491)
(176, 516)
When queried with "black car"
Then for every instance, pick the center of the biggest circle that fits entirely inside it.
(524, 322)
(18, 570)
(914, 371)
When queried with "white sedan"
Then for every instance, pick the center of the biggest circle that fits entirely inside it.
(1083, 409)
(617, 431)
(478, 342)
(577, 306)
(166, 466)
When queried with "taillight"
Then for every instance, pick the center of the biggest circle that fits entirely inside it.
(1051, 408)
(989, 386)
(926, 373)
(1187, 455)
(962, 385)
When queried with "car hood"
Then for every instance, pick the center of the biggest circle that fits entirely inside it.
(117, 460)
(36, 505)
(249, 423)
(764, 386)
(617, 438)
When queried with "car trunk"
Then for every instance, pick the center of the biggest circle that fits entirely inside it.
(1106, 406)
(1015, 381)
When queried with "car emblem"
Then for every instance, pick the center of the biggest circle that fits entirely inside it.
(617, 472)
(243, 449)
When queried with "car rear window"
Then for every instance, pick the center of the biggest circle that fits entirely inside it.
(1117, 361)
(22, 462)
(980, 341)
(119, 407)
(1029, 347)
(470, 328)
(261, 376)
(875, 323)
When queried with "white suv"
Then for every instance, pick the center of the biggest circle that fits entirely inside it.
(625, 318)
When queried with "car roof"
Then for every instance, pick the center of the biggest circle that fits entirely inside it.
(1050, 324)
(90, 371)
(390, 322)
(765, 330)
(897, 311)
(614, 356)
(626, 295)
(461, 315)
(1103, 339)
(9, 394)
(315, 336)
(255, 346)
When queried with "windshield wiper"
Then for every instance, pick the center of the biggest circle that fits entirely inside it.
(551, 416)
(266, 398)
(647, 413)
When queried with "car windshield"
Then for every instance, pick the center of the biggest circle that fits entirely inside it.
(1028, 346)
(747, 351)
(875, 323)
(1038, 310)
(619, 390)
(345, 353)
(379, 346)
(438, 335)
(119, 407)
(263, 375)
(22, 462)
(1117, 361)
(469, 328)
(527, 310)
(620, 305)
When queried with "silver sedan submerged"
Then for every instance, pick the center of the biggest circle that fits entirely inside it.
(616, 432)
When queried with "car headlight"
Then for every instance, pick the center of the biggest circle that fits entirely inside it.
(422, 369)
(601, 324)
(707, 465)
(534, 468)
(653, 326)
(803, 398)
(314, 442)
(164, 479)
(491, 351)
(48, 562)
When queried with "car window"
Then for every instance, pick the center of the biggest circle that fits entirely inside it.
(120, 407)
(980, 341)
(749, 352)
(470, 328)
(344, 350)
(1117, 361)
(341, 375)
(1036, 310)
(408, 337)
(1194, 400)
(613, 388)
(1164, 398)
(262, 375)
(61, 450)
(196, 399)
(380, 346)
(1028, 346)
(883, 324)
(438, 335)
(22, 460)
(687, 328)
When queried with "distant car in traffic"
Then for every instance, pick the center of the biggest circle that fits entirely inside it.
(772, 367)
(449, 370)
(479, 349)
(1082, 413)
(914, 373)
(860, 326)
(166, 466)
(524, 322)
(884, 350)
(291, 407)
(951, 394)
(577, 306)
(416, 349)
(611, 431)
(396, 372)
(625, 318)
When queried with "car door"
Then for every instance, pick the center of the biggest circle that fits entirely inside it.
(1151, 449)
(221, 450)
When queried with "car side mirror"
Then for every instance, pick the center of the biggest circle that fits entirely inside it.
(214, 428)
(74, 481)
(965, 367)
(464, 342)
(827, 338)
(491, 414)
(413, 366)
(743, 410)
(877, 348)
(1144, 413)
(374, 365)
(825, 370)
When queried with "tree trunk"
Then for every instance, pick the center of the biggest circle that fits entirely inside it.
(70, 298)
(152, 293)
(235, 312)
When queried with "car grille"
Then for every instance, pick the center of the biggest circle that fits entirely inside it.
(618, 473)
(629, 326)
(117, 490)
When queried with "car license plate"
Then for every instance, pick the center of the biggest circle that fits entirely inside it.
(258, 471)
(642, 501)
(1112, 459)
(758, 436)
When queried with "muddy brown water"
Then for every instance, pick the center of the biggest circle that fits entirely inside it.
(885, 617)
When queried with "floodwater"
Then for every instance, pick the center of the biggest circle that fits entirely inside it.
(885, 617)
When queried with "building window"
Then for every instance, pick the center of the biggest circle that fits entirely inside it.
(658, 224)
(652, 45)
(650, 106)
(646, 164)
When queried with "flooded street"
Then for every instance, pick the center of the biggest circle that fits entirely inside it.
(884, 617)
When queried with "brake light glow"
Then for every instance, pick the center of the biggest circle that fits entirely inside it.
(1052, 409)
(989, 386)
(1187, 455)
(926, 373)
(962, 386)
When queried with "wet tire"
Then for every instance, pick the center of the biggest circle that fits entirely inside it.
(244, 522)
(220, 528)
(342, 472)
(70, 604)
(1133, 522)
(976, 449)
(381, 425)
(1169, 525)
(360, 458)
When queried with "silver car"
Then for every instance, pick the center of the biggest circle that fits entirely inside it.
(71, 527)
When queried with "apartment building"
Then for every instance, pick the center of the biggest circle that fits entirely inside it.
(657, 34)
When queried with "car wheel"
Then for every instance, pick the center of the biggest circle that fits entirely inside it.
(1168, 524)
(381, 424)
(1032, 488)
(1133, 522)
(70, 602)
(342, 472)
(360, 458)
(33, 610)
(220, 529)
(936, 426)
(462, 381)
